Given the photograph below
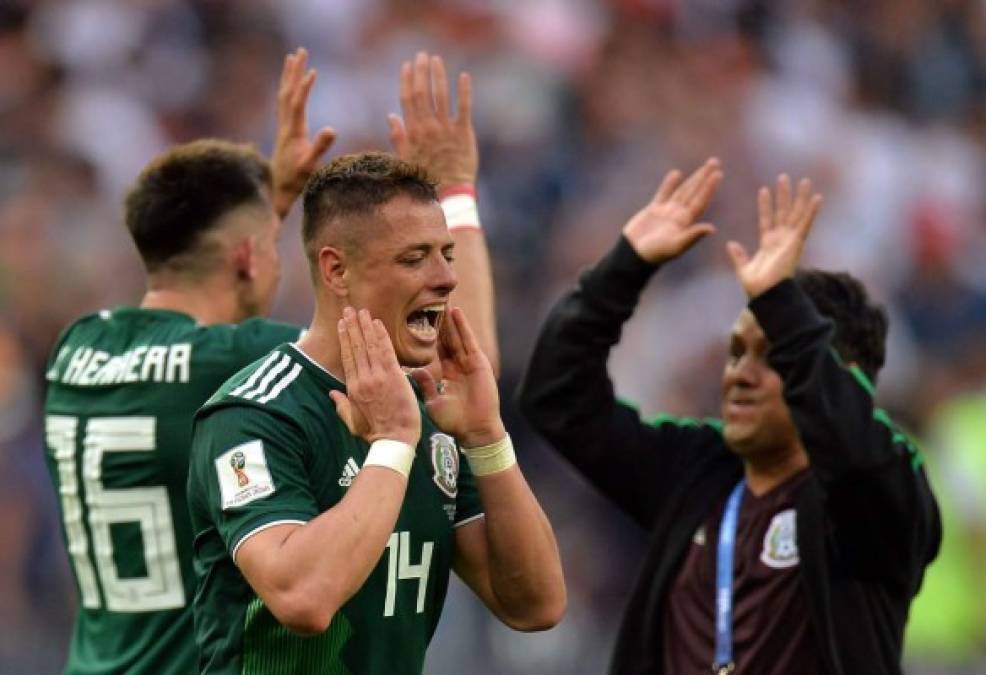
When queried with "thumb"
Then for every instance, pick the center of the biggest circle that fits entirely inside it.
(696, 232)
(429, 388)
(737, 254)
(344, 409)
(398, 136)
(323, 141)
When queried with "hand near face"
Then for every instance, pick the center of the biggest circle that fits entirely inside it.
(468, 404)
(379, 401)
(295, 155)
(666, 227)
(784, 226)
(429, 135)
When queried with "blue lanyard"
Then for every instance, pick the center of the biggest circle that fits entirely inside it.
(724, 583)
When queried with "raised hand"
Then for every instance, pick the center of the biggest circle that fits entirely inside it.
(429, 135)
(296, 155)
(784, 226)
(666, 227)
(379, 401)
(467, 406)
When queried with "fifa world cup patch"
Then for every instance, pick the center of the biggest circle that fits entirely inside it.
(780, 544)
(243, 475)
(445, 462)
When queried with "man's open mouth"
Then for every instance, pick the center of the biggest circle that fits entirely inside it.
(424, 323)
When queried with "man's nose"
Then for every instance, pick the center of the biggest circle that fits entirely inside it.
(746, 371)
(444, 278)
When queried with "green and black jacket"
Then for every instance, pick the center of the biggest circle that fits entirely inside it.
(867, 522)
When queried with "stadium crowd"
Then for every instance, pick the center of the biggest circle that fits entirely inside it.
(581, 107)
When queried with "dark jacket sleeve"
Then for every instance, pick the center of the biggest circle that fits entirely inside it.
(568, 397)
(884, 516)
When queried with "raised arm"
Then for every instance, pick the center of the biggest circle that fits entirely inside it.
(295, 155)
(305, 573)
(877, 494)
(445, 145)
(509, 558)
(567, 394)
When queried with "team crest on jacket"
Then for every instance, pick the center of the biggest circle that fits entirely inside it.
(445, 461)
(780, 544)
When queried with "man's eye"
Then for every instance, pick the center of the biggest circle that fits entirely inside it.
(411, 260)
(449, 257)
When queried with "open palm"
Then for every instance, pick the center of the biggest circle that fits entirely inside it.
(429, 133)
(784, 227)
(666, 227)
(296, 154)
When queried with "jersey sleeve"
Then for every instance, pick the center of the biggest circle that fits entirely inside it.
(250, 470)
(468, 506)
(256, 337)
(885, 517)
(569, 398)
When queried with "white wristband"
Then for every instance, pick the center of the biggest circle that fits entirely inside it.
(492, 458)
(394, 455)
(461, 212)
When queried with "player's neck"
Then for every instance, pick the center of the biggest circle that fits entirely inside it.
(321, 342)
(202, 303)
(766, 472)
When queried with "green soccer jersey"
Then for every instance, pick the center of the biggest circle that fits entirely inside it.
(123, 387)
(269, 448)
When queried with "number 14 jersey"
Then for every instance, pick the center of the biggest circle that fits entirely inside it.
(269, 449)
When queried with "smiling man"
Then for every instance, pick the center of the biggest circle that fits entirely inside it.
(343, 521)
(787, 537)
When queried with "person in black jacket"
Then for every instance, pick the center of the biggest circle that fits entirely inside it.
(790, 536)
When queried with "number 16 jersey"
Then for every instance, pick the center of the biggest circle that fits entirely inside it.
(270, 449)
(123, 387)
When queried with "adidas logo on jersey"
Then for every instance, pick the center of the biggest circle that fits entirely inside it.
(348, 473)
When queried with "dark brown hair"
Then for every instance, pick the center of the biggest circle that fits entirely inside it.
(860, 324)
(182, 193)
(354, 186)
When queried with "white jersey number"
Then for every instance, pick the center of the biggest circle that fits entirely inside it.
(147, 506)
(399, 567)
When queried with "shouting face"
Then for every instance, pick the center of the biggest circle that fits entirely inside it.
(402, 273)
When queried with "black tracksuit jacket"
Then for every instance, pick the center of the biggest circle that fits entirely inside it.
(867, 522)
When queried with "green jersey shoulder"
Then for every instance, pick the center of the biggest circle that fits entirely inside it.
(270, 449)
(123, 386)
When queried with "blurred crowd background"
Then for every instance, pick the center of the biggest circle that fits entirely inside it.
(581, 105)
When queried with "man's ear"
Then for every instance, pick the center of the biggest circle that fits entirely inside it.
(244, 260)
(333, 270)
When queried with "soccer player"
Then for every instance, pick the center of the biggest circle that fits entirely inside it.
(445, 145)
(790, 536)
(123, 384)
(327, 501)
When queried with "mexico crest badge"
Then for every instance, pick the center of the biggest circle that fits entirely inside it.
(780, 544)
(445, 462)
